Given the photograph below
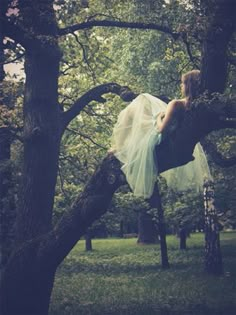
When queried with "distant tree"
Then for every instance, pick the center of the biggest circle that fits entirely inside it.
(147, 231)
(88, 240)
(182, 237)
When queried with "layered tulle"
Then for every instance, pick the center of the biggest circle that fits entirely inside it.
(134, 138)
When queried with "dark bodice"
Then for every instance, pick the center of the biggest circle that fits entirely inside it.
(175, 122)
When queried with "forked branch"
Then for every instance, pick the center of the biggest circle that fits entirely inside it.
(95, 94)
(119, 24)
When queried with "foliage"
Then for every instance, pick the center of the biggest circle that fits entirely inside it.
(146, 61)
(185, 210)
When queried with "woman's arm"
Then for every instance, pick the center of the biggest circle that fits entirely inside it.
(162, 123)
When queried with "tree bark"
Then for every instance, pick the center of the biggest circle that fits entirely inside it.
(41, 125)
(214, 64)
(27, 282)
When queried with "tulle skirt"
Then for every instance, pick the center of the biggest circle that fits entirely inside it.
(134, 139)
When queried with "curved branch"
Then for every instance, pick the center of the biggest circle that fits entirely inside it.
(216, 156)
(95, 94)
(110, 23)
(85, 56)
(205, 117)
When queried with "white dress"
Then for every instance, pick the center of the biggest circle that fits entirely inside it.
(134, 138)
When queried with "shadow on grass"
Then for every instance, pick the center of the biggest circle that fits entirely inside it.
(133, 269)
(228, 251)
(145, 309)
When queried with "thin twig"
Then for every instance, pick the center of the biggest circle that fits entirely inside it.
(85, 58)
(61, 182)
(86, 137)
(13, 60)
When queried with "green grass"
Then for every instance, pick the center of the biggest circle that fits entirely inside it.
(120, 277)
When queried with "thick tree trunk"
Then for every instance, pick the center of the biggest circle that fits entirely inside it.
(147, 232)
(41, 143)
(26, 285)
(214, 65)
(155, 202)
(27, 281)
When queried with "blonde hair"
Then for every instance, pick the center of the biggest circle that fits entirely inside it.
(191, 83)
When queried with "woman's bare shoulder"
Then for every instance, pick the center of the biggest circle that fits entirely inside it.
(176, 103)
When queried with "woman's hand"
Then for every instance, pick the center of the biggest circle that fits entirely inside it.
(111, 151)
(160, 117)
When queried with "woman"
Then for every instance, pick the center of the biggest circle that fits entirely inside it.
(139, 129)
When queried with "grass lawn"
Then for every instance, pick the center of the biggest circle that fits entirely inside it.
(120, 277)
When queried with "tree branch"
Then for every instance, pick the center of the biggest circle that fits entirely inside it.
(110, 23)
(188, 48)
(14, 59)
(83, 135)
(95, 94)
(230, 123)
(89, 206)
(217, 157)
(206, 116)
(85, 57)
